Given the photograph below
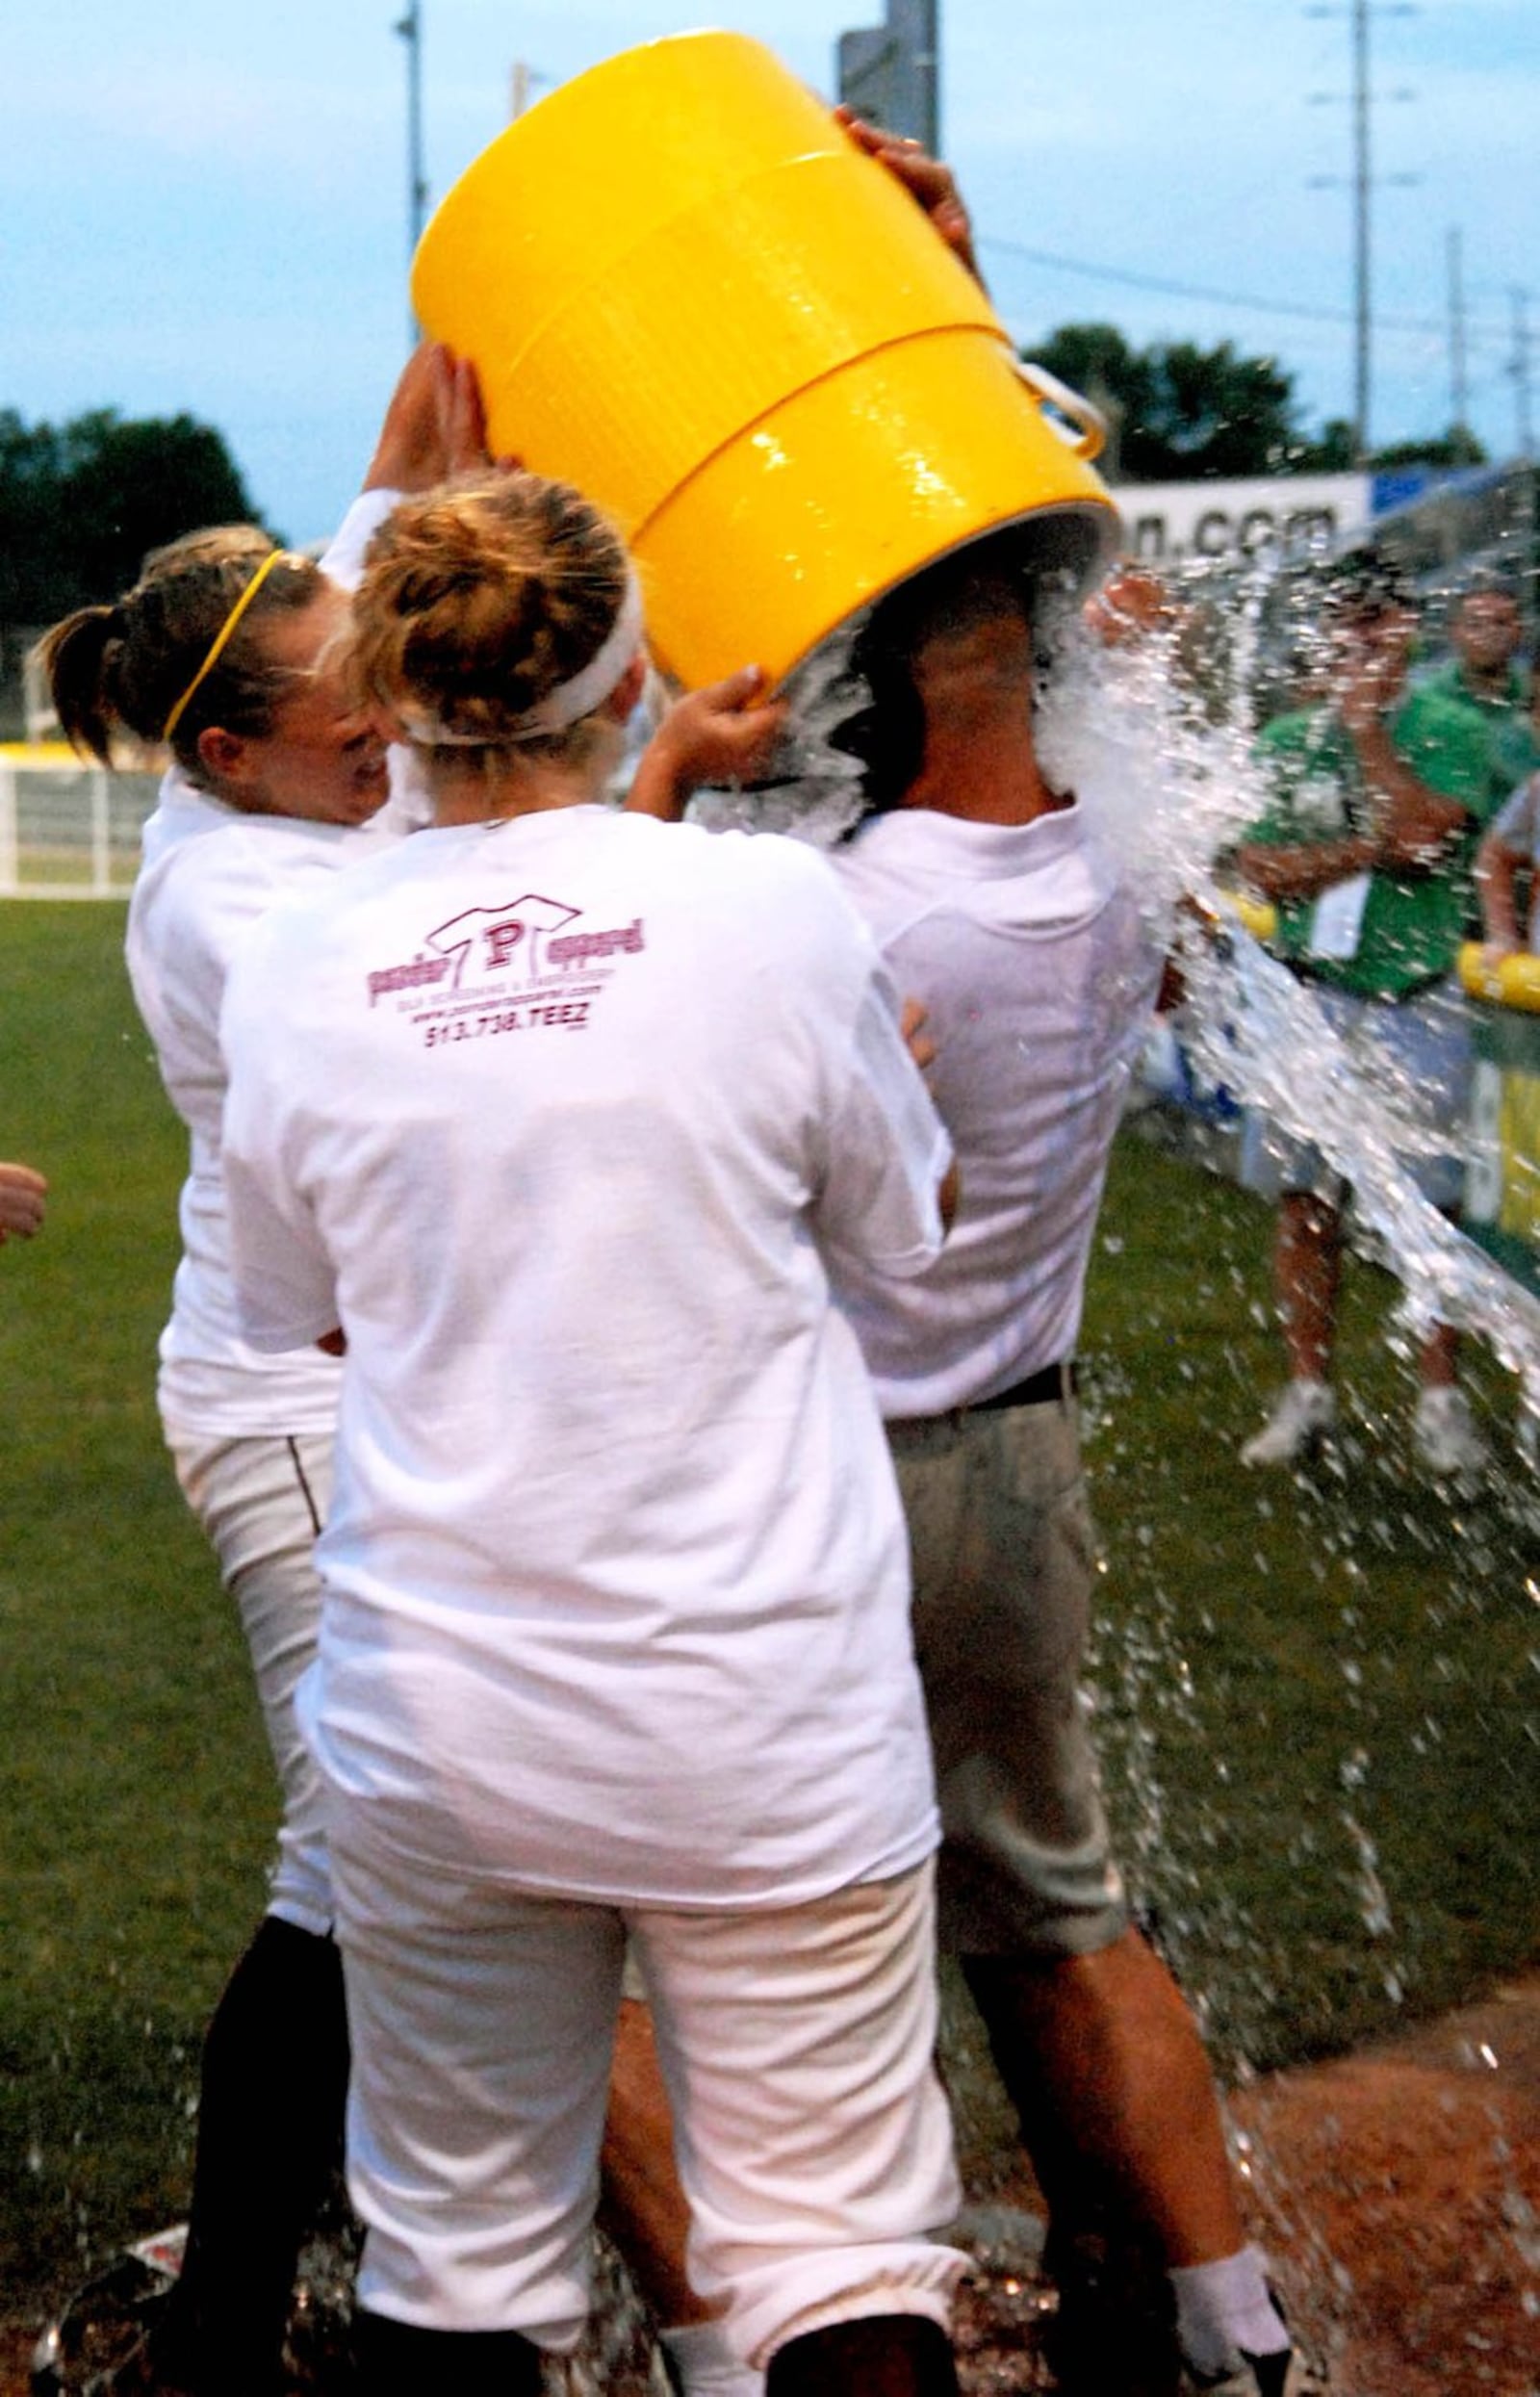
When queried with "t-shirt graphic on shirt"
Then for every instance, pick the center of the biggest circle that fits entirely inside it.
(496, 939)
(509, 969)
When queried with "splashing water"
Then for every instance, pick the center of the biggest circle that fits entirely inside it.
(815, 794)
(1165, 771)
(1172, 789)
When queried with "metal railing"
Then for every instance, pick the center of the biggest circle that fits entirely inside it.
(68, 830)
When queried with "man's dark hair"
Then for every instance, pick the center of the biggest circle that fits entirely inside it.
(888, 734)
(1363, 586)
(1487, 583)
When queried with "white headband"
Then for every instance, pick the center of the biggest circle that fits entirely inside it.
(567, 703)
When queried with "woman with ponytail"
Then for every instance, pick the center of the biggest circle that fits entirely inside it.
(218, 654)
(555, 1115)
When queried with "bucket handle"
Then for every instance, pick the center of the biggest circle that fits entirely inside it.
(1088, 437)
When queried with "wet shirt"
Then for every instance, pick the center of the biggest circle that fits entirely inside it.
(1039, 978)
(1411, 926)
(563, 1119)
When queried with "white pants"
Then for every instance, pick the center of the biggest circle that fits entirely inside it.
(813, 2136)
(262, 1503)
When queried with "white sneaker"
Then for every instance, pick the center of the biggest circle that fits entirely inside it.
(1303, 1414)
(1445, 1435)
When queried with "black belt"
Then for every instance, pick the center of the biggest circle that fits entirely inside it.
(1060, 1381)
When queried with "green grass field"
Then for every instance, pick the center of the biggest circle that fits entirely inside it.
(133, 1779)
(1318, 1702)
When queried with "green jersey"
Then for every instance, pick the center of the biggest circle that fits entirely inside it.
(1449, 727)
(1410, 926)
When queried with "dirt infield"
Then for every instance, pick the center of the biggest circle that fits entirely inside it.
(1399, 2193)
(1416, 2167)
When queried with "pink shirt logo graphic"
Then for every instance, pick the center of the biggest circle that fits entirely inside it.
(448, 957)
(499, 940)
(517, 967)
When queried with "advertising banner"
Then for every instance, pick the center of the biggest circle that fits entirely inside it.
(1165, 523)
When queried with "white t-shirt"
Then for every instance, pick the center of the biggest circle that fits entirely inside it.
(1039, 978)
(558, 1118)
(343, 559)
(208, 874)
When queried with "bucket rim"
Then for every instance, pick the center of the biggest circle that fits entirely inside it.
(1098, 517)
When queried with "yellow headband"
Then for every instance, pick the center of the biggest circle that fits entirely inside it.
(223, 637)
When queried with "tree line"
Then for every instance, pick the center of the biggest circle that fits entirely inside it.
(1180, 413)
(81, 502)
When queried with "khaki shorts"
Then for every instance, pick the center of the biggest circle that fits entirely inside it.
(1004, 1558)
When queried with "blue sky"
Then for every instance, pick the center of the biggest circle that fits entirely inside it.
(202, 203)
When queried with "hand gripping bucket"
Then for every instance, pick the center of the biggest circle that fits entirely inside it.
(688, 294)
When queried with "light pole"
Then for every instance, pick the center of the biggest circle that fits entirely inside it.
(1363, 187)
(1459, 384)
(410, 28)
(1520, 298)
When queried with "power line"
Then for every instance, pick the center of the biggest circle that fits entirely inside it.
(1314, 312)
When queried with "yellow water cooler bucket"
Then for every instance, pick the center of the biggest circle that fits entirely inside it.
(687, 293)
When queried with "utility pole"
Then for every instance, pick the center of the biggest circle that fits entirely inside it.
(892, 74)
(1519, 370)
(1361, 99)
(1460, 388)
(410, 28)
(1363, 187)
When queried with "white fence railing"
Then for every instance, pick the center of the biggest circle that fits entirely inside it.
(68, 831)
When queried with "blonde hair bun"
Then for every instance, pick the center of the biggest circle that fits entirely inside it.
(479, 600)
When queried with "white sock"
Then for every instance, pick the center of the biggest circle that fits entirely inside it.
(1224, 2310)
(706, 2364)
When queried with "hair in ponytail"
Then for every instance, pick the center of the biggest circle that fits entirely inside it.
(122, 669)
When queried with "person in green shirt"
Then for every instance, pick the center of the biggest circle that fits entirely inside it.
(1476, 704)
(1377, 798)
(1510, 849)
